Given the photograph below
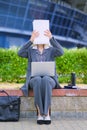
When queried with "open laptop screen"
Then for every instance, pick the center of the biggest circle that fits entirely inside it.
(42, 68)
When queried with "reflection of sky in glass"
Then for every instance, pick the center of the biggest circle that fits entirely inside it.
(64, 20)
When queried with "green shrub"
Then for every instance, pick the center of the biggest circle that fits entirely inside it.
(74, 60)
(13, 67)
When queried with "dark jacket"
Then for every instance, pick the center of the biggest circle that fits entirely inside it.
(49, 54)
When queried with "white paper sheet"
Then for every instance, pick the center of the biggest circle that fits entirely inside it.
(41, 26)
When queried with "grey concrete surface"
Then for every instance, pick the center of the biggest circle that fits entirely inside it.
(68, 106)
(57, 124)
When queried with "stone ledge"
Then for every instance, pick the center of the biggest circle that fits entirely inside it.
(55, 92)
(65, 103)
(61, 107)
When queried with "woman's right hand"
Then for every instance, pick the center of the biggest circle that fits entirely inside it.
(34, 35)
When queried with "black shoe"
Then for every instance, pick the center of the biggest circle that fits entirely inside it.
(40, 120)
(47, 120)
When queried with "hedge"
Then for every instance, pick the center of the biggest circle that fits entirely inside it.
(73, 60)
(13, 68)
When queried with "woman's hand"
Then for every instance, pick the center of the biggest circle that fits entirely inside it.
(48, 34)
(34, 35)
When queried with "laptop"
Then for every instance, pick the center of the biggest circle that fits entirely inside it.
(42, 68)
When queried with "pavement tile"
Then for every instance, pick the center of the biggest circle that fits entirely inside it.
(57, 124)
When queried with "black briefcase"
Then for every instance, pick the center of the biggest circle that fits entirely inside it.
(9, 107)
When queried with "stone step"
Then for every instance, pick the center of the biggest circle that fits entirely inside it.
(55, 92)
(65, 103)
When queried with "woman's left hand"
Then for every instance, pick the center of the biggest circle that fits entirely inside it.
(48, 34)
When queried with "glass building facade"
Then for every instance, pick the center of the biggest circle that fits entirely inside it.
(67, 24)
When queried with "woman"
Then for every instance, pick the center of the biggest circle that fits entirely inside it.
(42, 85)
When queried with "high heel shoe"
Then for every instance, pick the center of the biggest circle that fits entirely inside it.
(40, 120)
(47, 120)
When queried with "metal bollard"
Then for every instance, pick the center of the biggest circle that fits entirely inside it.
(73, 79)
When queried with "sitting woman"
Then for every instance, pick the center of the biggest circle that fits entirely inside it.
(41, 85)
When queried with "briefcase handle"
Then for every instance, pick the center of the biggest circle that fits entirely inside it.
(9, 97)
(3, 91)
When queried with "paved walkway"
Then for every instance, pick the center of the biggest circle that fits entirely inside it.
(57, 124)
